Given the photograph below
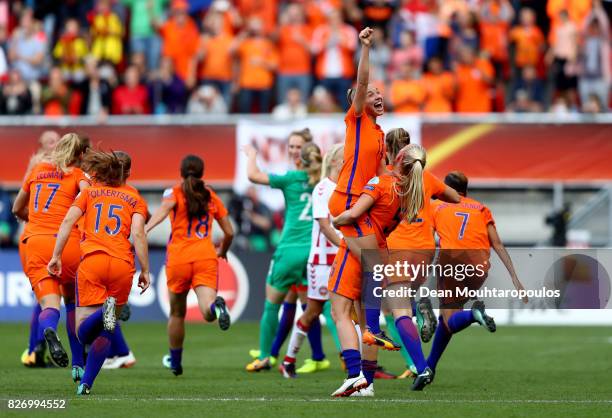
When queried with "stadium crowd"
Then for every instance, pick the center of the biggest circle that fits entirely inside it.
(100, 57)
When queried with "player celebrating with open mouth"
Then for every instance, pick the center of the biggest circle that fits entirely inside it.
(113, 213)
(288, 266)
(191, 260)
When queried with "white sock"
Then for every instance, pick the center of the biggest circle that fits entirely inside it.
(295, 342)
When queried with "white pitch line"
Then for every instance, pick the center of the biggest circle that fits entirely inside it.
(324, 400)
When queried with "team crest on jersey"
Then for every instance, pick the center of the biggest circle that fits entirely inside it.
(368, 187)
(374, 180)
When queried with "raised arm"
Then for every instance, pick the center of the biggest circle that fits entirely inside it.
(142, 250)
(228, 236)
(20, 205)
(159, 215)
(500, 249)
(72, 216)
(363, 70)
(254, 174)
(350, 216)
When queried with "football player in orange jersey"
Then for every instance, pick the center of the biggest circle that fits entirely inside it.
(385, 199)
(413, 241)
(113, 213)
(467, 226)
(33, 356)
(44, 199)
(192, 260)
(120, 356)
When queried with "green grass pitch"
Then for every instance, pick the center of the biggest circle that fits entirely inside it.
(518, 371)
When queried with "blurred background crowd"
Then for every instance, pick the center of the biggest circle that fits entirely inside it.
(291, 58)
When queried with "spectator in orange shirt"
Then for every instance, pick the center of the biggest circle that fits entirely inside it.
(474, 77)
(264, 10)
(495, 17)
(258, 60)
(439, 88)
(180, 39)
(294, 53)
(407, 93)
(528, 40)
(215, 53)
(334, 44)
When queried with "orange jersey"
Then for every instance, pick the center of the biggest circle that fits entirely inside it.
(529, 42)
(191, 239)
(407, 96)
(364, 147)
(51, 194)
(473, 93)
(462, 225)
(419, 234)
(440, 90)
(385, 213)
(108, 215)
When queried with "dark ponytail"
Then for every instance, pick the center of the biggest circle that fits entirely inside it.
(196, 193)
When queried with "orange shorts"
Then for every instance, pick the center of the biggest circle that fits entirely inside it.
(39, 249)
(345, 275)
(338, 203)
(100, 276)
(182, 277)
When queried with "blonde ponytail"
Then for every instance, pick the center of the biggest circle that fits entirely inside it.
(69, 150)
(332, 155)
(312, 162)
(410, 162)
